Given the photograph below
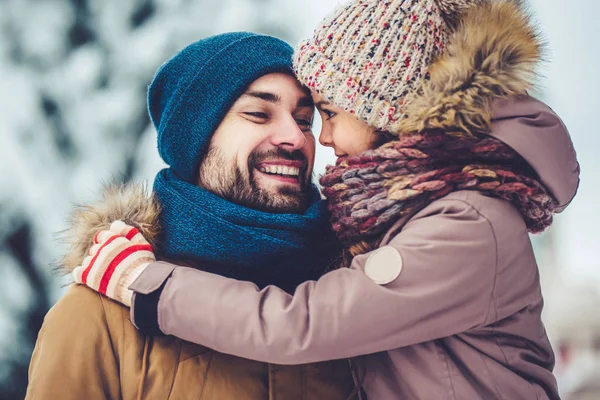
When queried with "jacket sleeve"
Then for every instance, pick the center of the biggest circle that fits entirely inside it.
(73, 356)
(448, 259)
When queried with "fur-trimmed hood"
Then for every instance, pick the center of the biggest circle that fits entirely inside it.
(131, 203)
(492, 53)
(480, 85)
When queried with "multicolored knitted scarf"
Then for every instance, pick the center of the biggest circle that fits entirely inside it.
(370, 192)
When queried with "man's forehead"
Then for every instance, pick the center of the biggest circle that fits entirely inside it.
(275, 87)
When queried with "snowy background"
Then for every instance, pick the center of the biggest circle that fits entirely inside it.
(73, 77)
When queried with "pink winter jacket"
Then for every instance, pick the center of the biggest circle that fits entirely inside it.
(460, 321)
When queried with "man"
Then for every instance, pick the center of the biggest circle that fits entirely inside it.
(234, 126)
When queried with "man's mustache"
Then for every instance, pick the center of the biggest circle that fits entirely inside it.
(295, 155)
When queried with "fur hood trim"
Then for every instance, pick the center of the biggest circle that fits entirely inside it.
(130, 203)
(492, 53)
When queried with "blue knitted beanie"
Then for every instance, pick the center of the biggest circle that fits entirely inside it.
(192, 92)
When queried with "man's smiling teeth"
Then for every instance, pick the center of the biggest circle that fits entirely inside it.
(280, 170)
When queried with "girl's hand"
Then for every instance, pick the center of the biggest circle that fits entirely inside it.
(116, 259)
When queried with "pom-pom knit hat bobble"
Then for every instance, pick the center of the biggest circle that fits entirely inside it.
(193, 91)
(369, 55)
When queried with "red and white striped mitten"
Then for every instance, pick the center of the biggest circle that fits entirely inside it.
(116, 259)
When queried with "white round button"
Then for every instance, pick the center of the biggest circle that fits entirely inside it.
(384, 265)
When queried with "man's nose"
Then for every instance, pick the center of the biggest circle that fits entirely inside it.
(288, 135)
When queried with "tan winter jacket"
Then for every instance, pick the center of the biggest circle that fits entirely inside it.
(88, 349)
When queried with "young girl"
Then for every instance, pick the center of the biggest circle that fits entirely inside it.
(444, 167)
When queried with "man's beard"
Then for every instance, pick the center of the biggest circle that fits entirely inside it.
(234, 185)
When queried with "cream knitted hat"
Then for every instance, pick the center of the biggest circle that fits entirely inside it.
(370, 54)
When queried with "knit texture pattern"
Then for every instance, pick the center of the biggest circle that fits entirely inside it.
(193, 91)
(367, 193)
(452, 9)
(370, 54)
(205, 231)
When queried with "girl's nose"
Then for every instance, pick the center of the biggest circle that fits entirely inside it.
(325, 138)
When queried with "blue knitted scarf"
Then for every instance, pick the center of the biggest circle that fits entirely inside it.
(210, 233)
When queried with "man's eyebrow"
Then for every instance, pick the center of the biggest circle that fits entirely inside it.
(266, 96)
(305, 101)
